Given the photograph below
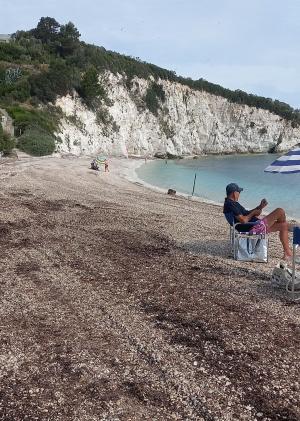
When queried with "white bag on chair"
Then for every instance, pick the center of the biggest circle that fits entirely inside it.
(251, 249)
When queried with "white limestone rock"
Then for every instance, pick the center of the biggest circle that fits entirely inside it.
(189, 123)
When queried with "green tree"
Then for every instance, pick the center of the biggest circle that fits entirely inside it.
(47, 30)
(41, 87)
(63, 77)
(68, 39)
(91, 89)
(60, 79)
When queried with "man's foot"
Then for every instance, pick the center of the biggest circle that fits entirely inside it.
(288, 255)
(289, 259)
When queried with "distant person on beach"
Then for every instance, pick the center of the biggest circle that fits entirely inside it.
(94, 165)
(275, 221)
(106, 166)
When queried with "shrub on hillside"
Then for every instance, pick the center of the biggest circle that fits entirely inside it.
(20, 91)
(12, 52)
(6, 142)
(14, 85)
(37, 142)
(46, 119)
(159, 91)
(106, 120)
(41, 87)
(59, 79)
(154, 95)
(91, 90)
(151, 101)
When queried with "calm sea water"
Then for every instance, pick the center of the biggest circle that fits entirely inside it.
(214, 173)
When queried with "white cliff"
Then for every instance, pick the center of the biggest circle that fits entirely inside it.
(188, 123)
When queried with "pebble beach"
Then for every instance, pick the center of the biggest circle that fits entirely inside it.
(119, 302)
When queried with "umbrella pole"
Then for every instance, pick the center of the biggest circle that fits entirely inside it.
(294, 271)
(194, 184)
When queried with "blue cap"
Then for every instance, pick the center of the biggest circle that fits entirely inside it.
(232, 187)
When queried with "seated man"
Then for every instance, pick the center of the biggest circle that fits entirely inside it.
(275, 221)
(94, 165)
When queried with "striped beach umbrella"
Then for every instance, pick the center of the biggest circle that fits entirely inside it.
(289, 164)
(286, 164)
(101, 159)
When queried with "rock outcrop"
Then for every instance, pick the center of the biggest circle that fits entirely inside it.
(188, 123)
(6, 122)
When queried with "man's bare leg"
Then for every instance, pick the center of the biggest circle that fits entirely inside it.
(278, 215)
(282, 227)
(276, 221)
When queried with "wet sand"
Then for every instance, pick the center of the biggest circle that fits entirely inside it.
(122, 303)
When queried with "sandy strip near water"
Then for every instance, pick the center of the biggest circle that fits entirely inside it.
(120, 302)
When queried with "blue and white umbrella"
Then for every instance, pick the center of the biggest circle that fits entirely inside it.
(101, 159)
(286, 164)
(289, 164)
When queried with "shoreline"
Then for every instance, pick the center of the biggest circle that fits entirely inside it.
(133, 177)
(124, 168)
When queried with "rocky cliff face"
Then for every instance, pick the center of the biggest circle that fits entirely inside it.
(188, 123)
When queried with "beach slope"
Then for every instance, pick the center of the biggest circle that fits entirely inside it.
(121, 303)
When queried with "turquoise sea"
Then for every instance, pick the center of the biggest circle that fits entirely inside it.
(213, 173)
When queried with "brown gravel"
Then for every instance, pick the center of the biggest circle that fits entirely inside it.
(119, 303)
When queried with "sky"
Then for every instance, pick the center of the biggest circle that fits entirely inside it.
(251, 45)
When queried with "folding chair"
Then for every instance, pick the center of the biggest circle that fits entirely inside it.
(246, 246)
(296, 244)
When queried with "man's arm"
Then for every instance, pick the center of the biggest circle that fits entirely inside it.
(256, 211)
(246, 218)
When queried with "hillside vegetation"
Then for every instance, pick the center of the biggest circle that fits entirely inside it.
(50, 60)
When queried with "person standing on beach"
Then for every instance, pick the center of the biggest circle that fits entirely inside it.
(274, 222)
(106, 166)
